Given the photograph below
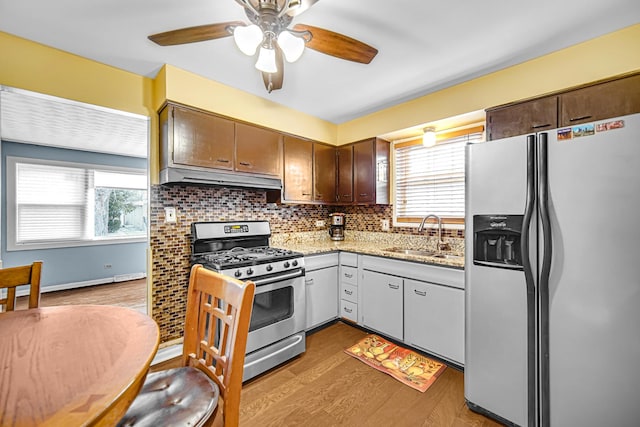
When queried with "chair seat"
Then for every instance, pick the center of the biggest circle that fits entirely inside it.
(182, 396)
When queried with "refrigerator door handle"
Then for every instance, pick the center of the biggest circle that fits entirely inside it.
(529, 280)
(543, 291)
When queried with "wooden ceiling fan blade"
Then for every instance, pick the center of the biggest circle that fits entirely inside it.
(338, 45)
(303, 5)
(274, 81)
(194, 34)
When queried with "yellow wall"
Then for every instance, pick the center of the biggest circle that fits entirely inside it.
(609, 55)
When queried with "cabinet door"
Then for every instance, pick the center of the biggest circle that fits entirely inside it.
(602, 101)
(520, 119)
(434, 319)
(321, 296)
(298, 168)
(382, 303)
(258, 150)
(364, 177)
(201, 139)
(345, 174)
(324, 173)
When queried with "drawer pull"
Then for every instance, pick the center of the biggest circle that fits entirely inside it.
(392, 286)
(575, 119)
(306, 194)
(540, 126)
(347, 310)
(245, 164)
(222, 160)
(364, 194)
(348, 276)
(421, 293)
(308, 282)
(348, 292)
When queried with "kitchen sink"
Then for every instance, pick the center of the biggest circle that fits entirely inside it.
(410, 251)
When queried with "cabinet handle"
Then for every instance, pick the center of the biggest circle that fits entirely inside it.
(318, 196)
(222, 160)
(421, 293)
(308, 282)
(306, 194)
(363, 194)
(392, 286)
(540, 126)
(347, 310)
(348, 292)
(245, 164)
(575, 119)
(348, 276)
(346, 196)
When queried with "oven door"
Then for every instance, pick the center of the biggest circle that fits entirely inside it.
(278, 309)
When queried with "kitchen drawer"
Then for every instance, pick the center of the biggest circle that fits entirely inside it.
(349, 310)
(349, 258)
(349, 292)
(349, 275)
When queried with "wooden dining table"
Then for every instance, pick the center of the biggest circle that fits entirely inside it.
(76, 365)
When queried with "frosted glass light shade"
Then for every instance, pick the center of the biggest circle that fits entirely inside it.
(291, 46)
(267, 60)
(429, 137)
(248, 38)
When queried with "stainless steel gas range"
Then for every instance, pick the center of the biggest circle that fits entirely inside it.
(241, 249)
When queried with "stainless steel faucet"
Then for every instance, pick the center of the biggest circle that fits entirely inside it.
(441, 244)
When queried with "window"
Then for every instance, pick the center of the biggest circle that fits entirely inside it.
(431, 180)
(59, 204)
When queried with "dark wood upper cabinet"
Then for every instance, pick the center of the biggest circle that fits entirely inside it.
(371, 156)
(601, 101)
(520, 119)
(618, 96)
(324, 175)
(198, 138)
(258, 150)
(344, 191)
(298, 170)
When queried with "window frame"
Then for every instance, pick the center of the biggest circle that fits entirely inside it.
(414, 222)
(12, 215)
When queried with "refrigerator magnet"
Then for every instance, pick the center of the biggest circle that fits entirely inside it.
(564, 134)
(583, 130)
(614, 124)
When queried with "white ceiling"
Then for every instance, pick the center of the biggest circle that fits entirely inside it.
(423, 45)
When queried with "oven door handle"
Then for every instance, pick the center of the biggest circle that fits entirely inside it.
(279, 278)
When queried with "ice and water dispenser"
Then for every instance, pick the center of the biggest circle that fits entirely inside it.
(496, 241)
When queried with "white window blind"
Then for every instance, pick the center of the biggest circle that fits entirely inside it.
(431, 180)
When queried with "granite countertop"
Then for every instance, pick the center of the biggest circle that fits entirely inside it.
(312, 243)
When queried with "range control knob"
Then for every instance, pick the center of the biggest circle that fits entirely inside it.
(294, 263)
(237, 273)
(269, 267)
(249, 271)
(286, 264)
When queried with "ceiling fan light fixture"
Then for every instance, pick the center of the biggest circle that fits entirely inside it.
(248, 38)
(267, 60)
(429, 137)
(292, 46)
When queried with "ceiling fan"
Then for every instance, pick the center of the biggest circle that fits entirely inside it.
(269, 32)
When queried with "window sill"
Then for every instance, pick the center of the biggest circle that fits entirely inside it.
(72, 244)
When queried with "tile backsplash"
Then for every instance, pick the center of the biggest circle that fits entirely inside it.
(171, 242)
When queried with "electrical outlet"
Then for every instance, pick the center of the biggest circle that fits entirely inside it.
(107, 266)
(320, 223)
(170, 214)
(385, 225)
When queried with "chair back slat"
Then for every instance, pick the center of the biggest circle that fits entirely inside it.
(216, 329)
(12, 277)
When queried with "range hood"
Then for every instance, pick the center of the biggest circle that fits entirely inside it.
(214, 177)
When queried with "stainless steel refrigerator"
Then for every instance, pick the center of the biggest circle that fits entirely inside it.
(552, 275)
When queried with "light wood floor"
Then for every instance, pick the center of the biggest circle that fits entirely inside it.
(132, 294)
(326, 387)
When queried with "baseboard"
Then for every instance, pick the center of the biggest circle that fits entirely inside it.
(83, 284)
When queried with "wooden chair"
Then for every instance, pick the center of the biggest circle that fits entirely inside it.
(215, 339)
(12, 277)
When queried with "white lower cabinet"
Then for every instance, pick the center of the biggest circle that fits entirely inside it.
(321, 280)
(382, 303)
(434, 319)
